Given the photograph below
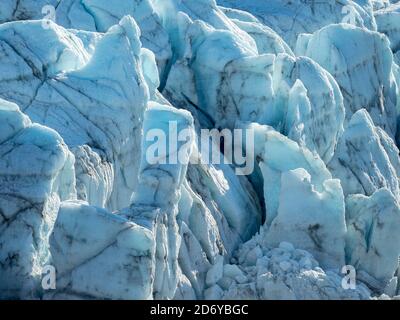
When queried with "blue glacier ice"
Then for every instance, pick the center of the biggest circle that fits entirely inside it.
(85, 83)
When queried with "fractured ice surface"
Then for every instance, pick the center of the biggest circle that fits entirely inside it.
(267, 40)
(372, 235)
(213, 220)
(316, 81)
(23, 9)
(366, 158)
(96, 15)
(362, 63)
(290, 18)
(95, 105)
(311, 104)
(294, 95)
(387, 20)
(36, 174)
(120, 250)
(138, 246)
(318, 221)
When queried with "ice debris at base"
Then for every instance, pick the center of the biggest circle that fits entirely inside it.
(281, 272)
(78, 95)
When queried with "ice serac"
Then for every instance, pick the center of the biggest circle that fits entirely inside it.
(160, 186)
(121, 251)
(388, 22)
(215, 199)
(218, 211)
(372, 240)
(95, 102)
(290, 18)
(294, 95)
(366, 79)
(206, 11)
(316, 223)
(309, 104)
(123, 227)
(290, 172)
(267, 40)
(100, 15)
(203, 65)
(366, 159)
(36, 174)
(205, 41)
(138, 246)
(96, 16)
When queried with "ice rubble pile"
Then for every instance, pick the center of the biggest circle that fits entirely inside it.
(78, 96)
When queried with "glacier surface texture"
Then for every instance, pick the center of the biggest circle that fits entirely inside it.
(312, 88)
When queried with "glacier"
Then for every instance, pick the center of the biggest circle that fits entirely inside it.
(85, 83)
